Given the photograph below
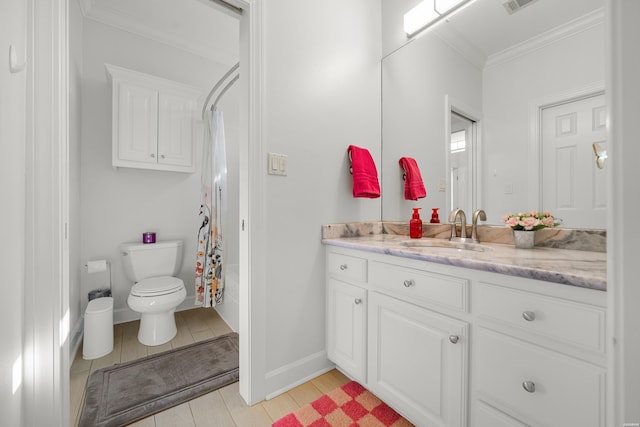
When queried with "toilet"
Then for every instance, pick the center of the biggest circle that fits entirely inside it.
(155, 293)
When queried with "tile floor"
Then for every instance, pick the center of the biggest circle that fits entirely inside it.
(220, 408)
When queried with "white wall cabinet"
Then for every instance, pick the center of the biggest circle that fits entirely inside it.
(449, 346)
(153, 121)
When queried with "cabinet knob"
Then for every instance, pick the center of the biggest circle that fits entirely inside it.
(454, 339)
(153, 156)
(162, 156)
(409, 282)
(343, 267)
(529, 386)
(529, 316)
(358, 301)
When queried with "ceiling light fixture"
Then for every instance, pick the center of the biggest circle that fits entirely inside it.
(428, 12)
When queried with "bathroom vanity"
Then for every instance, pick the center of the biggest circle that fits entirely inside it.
(484, 335)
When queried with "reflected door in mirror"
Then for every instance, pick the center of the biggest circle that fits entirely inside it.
(573, 187)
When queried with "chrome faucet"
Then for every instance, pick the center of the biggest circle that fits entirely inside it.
(479, 213)
(453, 218)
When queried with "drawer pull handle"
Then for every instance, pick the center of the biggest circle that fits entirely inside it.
(343, 267)
(408, 283)
(529, 386)
(454, 339)
(529, 316)
(358, 301)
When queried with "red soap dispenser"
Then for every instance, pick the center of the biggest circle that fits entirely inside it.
(434, 216)
(415, 225)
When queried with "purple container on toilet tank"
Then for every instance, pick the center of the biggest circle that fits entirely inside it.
(148, 237)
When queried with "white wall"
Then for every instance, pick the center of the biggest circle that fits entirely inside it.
(119, 205)
(12, 215)
(321, 93)
(509, 87)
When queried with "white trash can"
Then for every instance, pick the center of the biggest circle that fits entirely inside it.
(98, 328)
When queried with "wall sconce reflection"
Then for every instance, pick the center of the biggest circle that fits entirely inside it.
(601, 154)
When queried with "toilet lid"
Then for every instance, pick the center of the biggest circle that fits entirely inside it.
(157, 286)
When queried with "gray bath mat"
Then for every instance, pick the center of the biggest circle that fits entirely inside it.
(121, 394)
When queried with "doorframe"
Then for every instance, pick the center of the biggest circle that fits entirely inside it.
(46, 288)
(535, 133)
(451, 104)
(252, 232)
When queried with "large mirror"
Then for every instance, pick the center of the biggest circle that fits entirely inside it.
(500, 110)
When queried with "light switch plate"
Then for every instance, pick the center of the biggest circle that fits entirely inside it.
(277, 164)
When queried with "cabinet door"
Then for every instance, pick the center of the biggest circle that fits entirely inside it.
(136, 125)
(346, 334)
(418, 361)
(175, 131)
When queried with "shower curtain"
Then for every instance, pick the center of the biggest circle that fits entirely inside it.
(213, 201)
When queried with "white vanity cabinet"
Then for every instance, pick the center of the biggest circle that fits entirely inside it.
(450, 346)
(347, 314)
(417, 361)
(539, 358)
(152, 121)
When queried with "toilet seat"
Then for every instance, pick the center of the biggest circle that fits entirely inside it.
(157, 286)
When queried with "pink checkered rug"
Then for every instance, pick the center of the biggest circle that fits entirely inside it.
(348, 406)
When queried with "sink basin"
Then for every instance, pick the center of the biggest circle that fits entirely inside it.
(445, 244)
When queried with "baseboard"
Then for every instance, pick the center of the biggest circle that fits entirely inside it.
(299, 372)
(76, 338)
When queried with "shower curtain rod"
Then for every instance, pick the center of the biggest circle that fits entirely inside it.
(217, 86)
(228, 6)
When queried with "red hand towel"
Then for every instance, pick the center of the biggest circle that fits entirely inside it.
(413, 185)
(365, 174)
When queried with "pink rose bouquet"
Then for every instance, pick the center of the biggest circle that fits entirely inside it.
(530, 221)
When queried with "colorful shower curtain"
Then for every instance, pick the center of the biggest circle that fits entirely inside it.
(213, 202)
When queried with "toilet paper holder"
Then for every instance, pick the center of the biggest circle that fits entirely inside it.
(99, 266)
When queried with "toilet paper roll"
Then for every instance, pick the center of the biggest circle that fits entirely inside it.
(97, 266)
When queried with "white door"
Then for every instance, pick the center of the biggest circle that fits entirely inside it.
(573, 187)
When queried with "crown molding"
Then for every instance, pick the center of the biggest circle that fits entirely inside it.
(124, 22)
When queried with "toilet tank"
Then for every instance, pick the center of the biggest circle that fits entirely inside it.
(152, 259)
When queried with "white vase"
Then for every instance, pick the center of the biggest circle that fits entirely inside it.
(524, 239)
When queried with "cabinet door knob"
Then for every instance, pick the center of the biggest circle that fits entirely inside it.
(454, 339)
(409, 282)
(358, 301)
(162, 156)
(343, 267)
(529, 316)
(153, 156)
(529, 386)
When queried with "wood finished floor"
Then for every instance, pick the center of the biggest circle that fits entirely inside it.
(220, 408)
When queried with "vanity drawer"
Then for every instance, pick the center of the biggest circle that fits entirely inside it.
(570, 322)
(347, 267)
(538, 386)
(420, 286)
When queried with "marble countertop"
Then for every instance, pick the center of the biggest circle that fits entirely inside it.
(569, 267)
